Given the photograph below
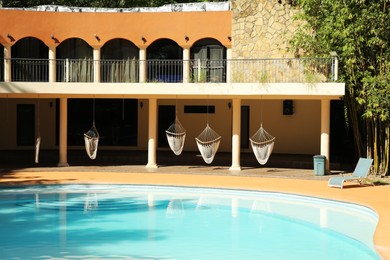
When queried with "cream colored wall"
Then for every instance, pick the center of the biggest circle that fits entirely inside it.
(297, 133)
(221, 121)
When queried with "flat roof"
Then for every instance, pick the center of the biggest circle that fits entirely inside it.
(183, 7)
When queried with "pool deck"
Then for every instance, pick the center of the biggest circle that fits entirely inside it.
(287, 180)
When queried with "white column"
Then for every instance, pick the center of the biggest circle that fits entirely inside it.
(325, 130)
(96, 65)
(152, 133)
(236, 133)
(52, 64)
(228, 65)
(7, 63)
(63, 145)
(186, 65)
(142, 65)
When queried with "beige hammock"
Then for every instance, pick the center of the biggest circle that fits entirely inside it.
(262, 145)
(208, 144)
(91, 139)
(176, 135)
(37, 147)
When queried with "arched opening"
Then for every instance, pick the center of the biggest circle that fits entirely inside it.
(164, 61)
(74, 61)
(208, 61)
(29, 60)
(119, 61)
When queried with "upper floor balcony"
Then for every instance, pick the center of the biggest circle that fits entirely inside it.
(283, 70)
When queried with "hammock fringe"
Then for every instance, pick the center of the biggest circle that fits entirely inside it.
(208, 143)
(176, 135)
(262, 145)
(91, 140)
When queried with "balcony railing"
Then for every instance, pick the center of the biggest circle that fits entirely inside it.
(75, 70)
(306, 70)
(32, 70)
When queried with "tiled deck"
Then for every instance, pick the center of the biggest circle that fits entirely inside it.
(269, 178)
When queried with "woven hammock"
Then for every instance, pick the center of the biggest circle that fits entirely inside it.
(37, 147)
(91, 139)
(262, 145)
(176, 135)
(208, 143)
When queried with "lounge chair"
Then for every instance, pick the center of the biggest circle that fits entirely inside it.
(359, 174)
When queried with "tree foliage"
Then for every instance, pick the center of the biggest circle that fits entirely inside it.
(358, 30)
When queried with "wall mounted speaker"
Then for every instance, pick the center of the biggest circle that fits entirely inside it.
(288, 107)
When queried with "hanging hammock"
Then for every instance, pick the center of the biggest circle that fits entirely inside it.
(262, 145)
(38, 140)
(37, 146)
(91, 139)
(176, 135)
(208, 143)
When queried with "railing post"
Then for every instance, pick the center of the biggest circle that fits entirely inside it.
(336, 68)
(335, 65)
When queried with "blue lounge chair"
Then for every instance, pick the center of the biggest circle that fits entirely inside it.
(359, 174)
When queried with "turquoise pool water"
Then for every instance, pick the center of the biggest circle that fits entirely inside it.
(152, 222)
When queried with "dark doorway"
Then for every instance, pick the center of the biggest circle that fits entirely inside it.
(116, 121)
(166, 116)
(244, 126)
(342, 149)
(25, 124)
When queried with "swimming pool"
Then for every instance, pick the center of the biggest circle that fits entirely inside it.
(157, 222)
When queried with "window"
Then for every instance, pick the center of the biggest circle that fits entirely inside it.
(199, 109)
(116, 121)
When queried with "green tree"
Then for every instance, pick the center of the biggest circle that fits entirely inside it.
(358, 31)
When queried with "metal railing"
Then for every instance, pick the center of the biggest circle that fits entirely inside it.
(75, 70)
(119, 71)
(164, 70)
(30, 70)
(208, 71)
(306, 70)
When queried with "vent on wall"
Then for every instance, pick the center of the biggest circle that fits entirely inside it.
(288, 107)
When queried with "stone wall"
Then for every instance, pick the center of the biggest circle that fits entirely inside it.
(262, 28)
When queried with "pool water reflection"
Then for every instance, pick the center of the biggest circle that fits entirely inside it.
(154, 222)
